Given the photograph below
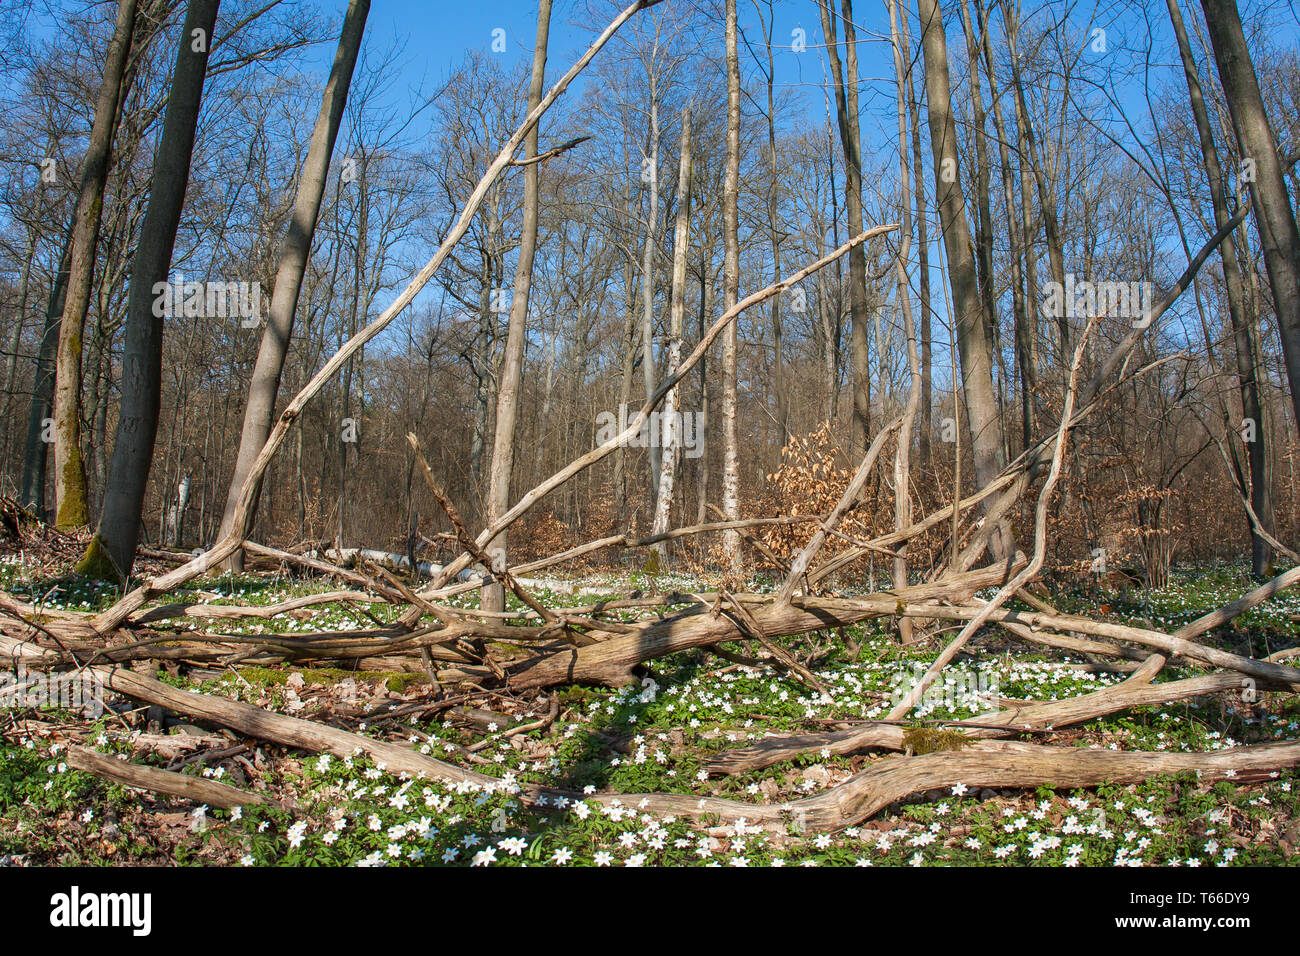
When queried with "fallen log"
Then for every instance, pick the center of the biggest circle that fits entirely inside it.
(248, 719)
(1165, 643)
(1053, 714)
(136, 775)
(611, 660)
(897, 778)
(1244, 603)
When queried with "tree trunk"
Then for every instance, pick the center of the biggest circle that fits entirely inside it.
(1022, 294)
(1268, 193)
(671, 421)
(271, 353)
(846, 105)
(923, 265)
(706, 306)
(779, 388)
(648, 284)
(484, 390)
(1031, 164)
(174, 531)
(16, 340)
(983, 205)
(972, 342)
(112, 550)
(625, 391)
(38, 416)
(902, 455)
(503, 446)
(730, 295)
(1030, 337)
(69, 470)
(1248, 369)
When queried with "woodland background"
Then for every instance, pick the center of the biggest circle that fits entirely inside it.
(1077, 155)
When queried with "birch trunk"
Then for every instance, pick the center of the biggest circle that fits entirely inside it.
(671, 430)
(731, 294)
(648, 279)
(902, 455)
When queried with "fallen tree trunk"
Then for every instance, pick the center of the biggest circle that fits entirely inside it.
(611, 660)
(1167, 644)
(162, 781)
(1226, 613)
(251, 720)
(889, 781)
(1053, 714)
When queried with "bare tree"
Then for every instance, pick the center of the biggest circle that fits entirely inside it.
(503, 447)
(1023, 287)
(731, 293)
(1245, 339)
(922, 256)
(112, 551)
(1263, 169)
(903, 453)
(973, 344)
(671, 423)
(775, 232)
(36, 453)
(265, 384)
(69, 470)
(846, 112)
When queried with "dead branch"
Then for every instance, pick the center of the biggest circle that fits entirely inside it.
(1225, 614)
(1136, 691)
(136, 775)
(1036, 562)
(1169, 645)
(550, 153)
(611, 659)
(577, 466)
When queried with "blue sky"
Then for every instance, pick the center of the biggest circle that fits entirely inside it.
(438, 34)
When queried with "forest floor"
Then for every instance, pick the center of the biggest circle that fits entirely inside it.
(655, 736)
